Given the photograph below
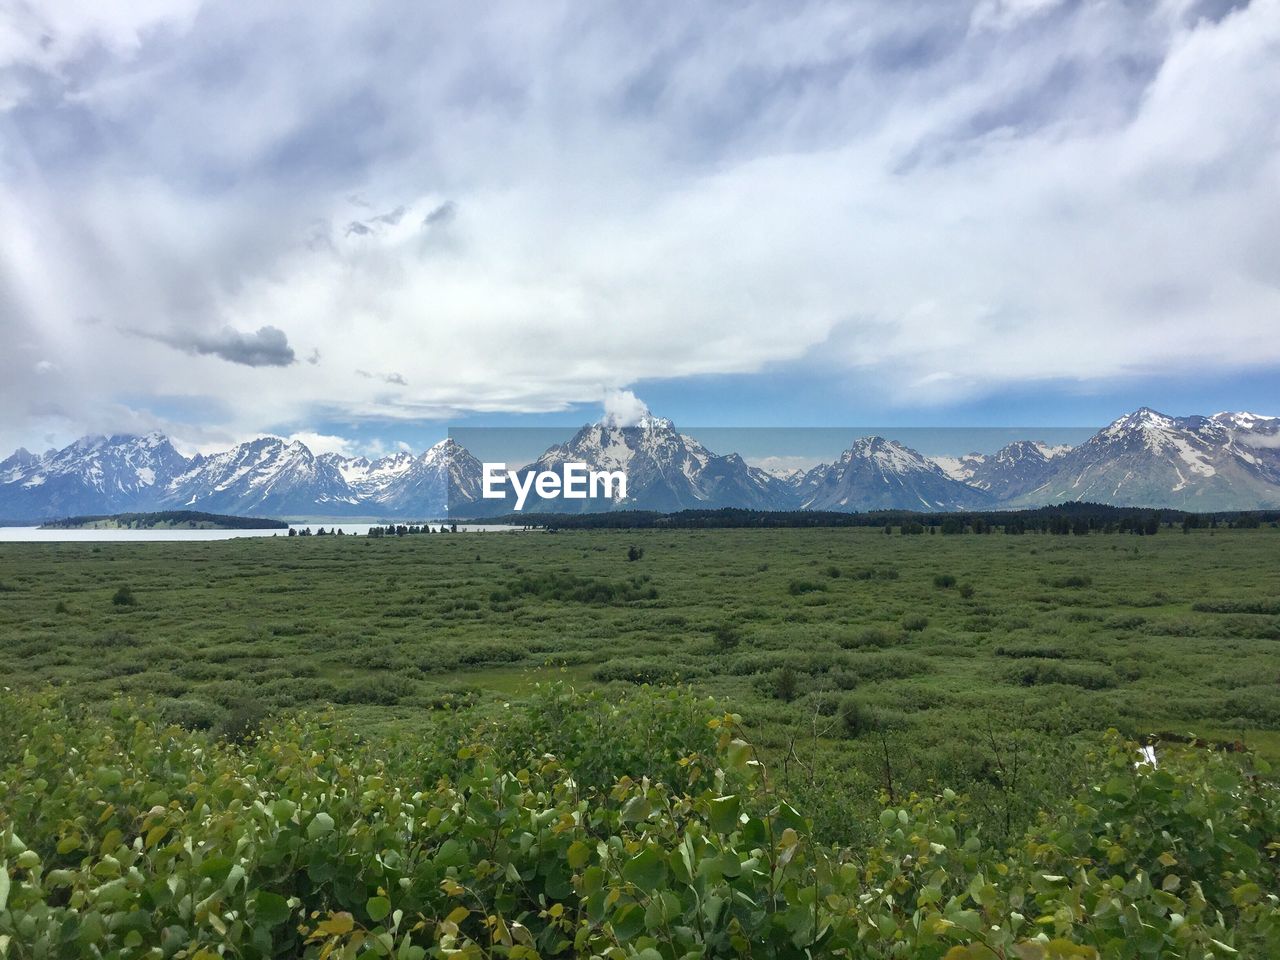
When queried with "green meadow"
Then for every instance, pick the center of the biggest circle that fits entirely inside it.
(866, 661)
(641, 746)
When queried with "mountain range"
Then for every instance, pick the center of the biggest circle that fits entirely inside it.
(1229, 461)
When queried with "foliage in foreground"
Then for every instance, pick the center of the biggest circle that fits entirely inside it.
(123, 837)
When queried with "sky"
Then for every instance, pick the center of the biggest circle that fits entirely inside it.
(365, 224)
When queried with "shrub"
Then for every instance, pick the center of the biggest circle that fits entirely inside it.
(493, 653)
(894, 665)
(944, 581)
(191, 714)
(1034, 673)
(568, 588)
(242, 723)
(876, 573)
(915, 622)
(320, 846)
(383, 691)
(1030, 651)
(798, 587)
(124, 598)
(1074, 581)
(726, 637)
(785, 684)
(966, 590)
(856, 717)
(871, 637)
(652, 672)
(634, 553)
(1261, 605)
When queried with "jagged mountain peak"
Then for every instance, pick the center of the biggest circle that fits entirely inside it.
(889, 455)
(877, 473)
(1148, 458)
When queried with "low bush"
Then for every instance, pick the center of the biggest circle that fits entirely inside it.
(645, 671)
(189, 714)
(1264, 605)
(1034, 673)
(305, 843)
(1074, 581)
(798, 587)
(879, 637)
(893, 665)
(567, 588)
(384, 691)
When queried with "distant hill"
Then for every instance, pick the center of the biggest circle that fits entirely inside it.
(165, 520)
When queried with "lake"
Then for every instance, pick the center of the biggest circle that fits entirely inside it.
(37, 535)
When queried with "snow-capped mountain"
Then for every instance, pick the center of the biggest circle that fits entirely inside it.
(880, 474)
(93, 475)
(445, 479)
(1147, 458)
(1229, 461)
(16, 465)
(1256, 440)
(265, 477)
(960, 468)
(369, 479)
(666, 470)
(1012, 470)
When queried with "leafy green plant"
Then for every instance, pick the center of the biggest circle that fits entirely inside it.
(147, 840)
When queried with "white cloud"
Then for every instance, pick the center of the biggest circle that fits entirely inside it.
(936, 200)
(622, 408)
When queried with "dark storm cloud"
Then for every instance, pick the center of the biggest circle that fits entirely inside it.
(266, 347)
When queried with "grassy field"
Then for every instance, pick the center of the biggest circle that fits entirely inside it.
(863, 662)
(525, 761)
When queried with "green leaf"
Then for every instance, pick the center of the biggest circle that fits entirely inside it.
(646, 869)
(215, 868)
(637, 808)
(4, 885)
(579, 853)
(738, 754)
(270, 908)
(320, 825)
(378, 908)
(1246, 893)
(628, 922)
(724, 814)
(662, 909)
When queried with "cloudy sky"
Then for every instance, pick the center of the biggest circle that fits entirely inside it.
(359, 222)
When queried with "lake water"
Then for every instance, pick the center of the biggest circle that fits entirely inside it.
(36, 535)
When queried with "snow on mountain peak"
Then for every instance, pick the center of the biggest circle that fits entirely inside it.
(891, 456)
